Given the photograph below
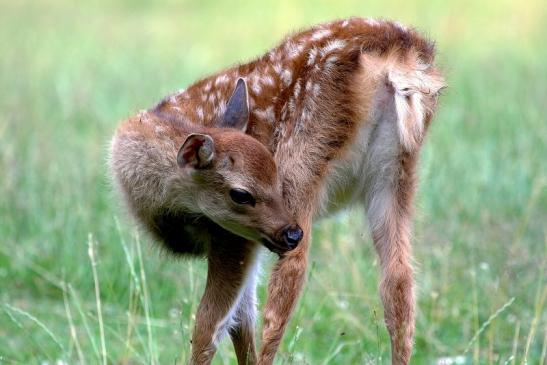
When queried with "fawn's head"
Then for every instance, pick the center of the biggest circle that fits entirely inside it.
(235, 182)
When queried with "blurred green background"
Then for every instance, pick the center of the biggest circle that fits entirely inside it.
(70, 71)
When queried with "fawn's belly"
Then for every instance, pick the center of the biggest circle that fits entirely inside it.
(346, 180)
(368, 162)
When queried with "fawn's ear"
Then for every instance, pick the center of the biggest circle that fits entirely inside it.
(237, 110)
(197, 151)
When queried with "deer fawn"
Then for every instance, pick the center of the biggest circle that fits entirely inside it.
(334, 115)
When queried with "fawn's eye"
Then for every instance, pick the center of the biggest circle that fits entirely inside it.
(241, 196)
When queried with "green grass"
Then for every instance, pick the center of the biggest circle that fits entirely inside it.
(69, 71)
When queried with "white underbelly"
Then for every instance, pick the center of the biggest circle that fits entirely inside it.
(372, 154)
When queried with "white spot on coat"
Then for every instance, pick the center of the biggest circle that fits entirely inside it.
(330, 62)
(316, 90)
(311, 56)
(278, 69)
(268, 80)
(293, 50)
(312, 88)
(199, 112)
(220, 109)
(286, 77)
(297, 88)
(320, 34)
(309, 84)
(267, 115)
(292, 105)
(255, 83)
(332, 45)
(221, 80)
(256, 88)
(274, 55)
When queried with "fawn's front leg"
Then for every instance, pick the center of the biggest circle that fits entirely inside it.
(230, 262)
(285, 284)
(242, 331)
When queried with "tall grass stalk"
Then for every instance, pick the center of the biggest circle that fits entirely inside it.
(485, 325)
(91, 253)
(146, 304)
(71, 326)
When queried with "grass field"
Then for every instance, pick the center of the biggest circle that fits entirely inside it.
(70, 71)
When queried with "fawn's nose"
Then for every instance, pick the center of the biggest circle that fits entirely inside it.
(292, 235)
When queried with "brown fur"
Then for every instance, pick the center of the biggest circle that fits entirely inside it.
(341, 111)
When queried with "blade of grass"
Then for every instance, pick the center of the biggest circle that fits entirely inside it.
(71, 326)
(513, 356)
(24, 330)
(487, 323)
(91, 253)
(146, 303)
(538, 310)
(338, 349)
(38, 323)
(475, 340)
(543, 348)
(134, 289)
(72, 293)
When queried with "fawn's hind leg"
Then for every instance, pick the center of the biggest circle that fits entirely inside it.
(389, 212)
(230, 261)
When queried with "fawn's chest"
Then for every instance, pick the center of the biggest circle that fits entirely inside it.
(182, 233)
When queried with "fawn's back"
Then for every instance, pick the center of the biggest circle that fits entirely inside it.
(343, 97)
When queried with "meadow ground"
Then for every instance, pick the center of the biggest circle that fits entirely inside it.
(70, 71)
